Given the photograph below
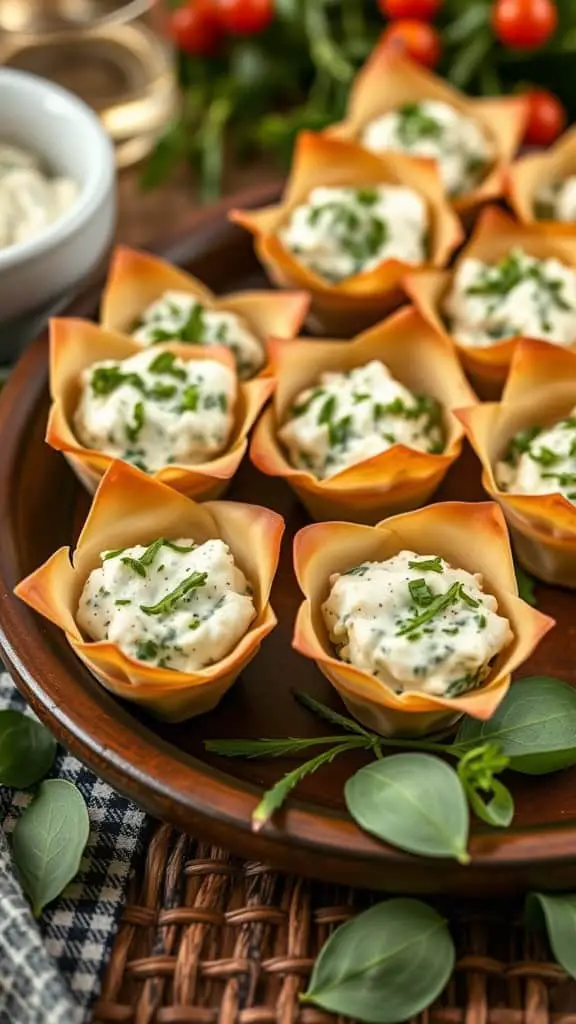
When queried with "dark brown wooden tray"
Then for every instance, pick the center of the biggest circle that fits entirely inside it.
(164, 767)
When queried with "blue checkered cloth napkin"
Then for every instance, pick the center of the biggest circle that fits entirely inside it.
(50, 971)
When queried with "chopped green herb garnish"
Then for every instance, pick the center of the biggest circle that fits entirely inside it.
(147, 650)
(340, 432)
(161, 391)
(327, 410)
(166, 605)
(439, 604)
(299, 410)
(358, 570)
(428, 565)
(470, 601)
(135, 565)
(164, 363)
(190, 398)
(415, 124)
(545, 456)
(193, 330)
(106, 379)
(367, 196)
(179, 547)
(148, 556)
(133, 429)
(195, 624)
(122, 602)
(420, 592)
(113, 554)
(216, 401)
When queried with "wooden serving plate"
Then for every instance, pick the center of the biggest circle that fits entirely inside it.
(163, 767)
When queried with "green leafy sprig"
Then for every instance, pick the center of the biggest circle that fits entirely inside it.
(416, 801)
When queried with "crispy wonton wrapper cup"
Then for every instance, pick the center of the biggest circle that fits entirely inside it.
(137, 279)
(525, 178)
(398, 479)
(358, 301)
(495, 235)
(469, 536)
(389, 79)
(130, 508)
(77, 344)
(540, 390)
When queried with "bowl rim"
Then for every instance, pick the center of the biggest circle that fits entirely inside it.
(95, 186)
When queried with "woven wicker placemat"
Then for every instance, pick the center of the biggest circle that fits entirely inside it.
(208, 939)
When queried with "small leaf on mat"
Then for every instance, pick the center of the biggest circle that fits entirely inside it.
(558, 915)
(385, 965)
(49, 840)
(27, 750)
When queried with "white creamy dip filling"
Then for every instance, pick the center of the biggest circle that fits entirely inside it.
(29, 199)
(176, 604)
(348, 417)
(339, 232)
(435, 129)
(178, 316)
(557, 200)
(416, 623)
(541, 460)
(154, 410)
(519, 295)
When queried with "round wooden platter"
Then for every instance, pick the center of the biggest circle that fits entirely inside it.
(163, 767)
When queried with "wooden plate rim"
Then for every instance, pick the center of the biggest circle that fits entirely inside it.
(195, 793)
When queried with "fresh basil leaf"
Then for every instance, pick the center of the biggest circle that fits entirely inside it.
(49, 840)
(385, 965)
(414, 801)
(526, 584)
(27, 750)
(558, 915)
(535, 726)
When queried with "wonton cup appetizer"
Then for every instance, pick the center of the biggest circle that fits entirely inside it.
(436, 535)
(357, 301)
(75, 345)
(541, 187)
(149, 298)
(394, 480)
(495, 237)
(540, 393)
(390, 81)
(130, 509)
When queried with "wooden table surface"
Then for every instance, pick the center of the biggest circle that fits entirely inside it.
(147, 215)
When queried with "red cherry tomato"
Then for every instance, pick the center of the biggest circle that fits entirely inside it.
(418, 40)
(524, 24)
(195, 28)
(546, 118)
(420, 10)
(245, 17)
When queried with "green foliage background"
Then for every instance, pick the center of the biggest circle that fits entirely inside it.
(256, 95)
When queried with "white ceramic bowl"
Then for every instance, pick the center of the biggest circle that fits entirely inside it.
(50, 121)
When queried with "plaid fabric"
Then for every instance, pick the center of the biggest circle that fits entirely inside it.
(50, 972)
